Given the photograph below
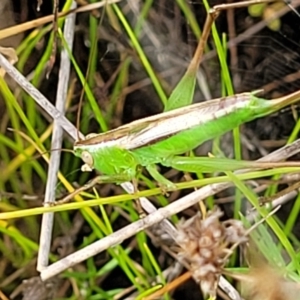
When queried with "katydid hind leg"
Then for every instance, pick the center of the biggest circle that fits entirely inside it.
(137, 201)
(209, 164)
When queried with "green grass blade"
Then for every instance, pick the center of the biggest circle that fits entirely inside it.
(141, 54)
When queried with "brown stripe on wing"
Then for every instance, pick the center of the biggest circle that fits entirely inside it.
(111, 135)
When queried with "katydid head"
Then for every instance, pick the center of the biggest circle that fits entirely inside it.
(87, 149)
(103, 153)
(86, 157)
(85, 154)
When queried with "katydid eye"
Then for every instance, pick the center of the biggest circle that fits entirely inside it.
(87, 158)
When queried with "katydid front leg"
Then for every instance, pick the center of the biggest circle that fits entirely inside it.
(97, 180)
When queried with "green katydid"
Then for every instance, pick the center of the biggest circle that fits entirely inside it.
(159, 139)
(119, 153)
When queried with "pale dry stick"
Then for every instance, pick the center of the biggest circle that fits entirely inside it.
(3, 297)
(119, 236)
(52, 58)
(16, 196)
(39, 4)
(40, 99)
(13, 30)
(57, 138)
(252, 228)
(278, 201)
(294, 186)
(225, 285)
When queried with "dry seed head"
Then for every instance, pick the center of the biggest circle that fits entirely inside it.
(267, 283)
(204, 245)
